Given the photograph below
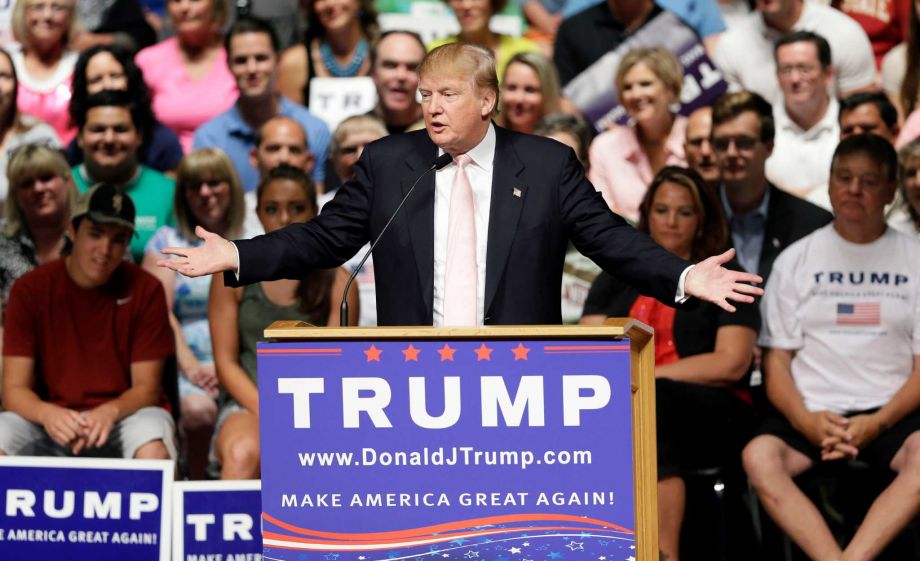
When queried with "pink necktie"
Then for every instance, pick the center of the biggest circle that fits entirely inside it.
(460, 276)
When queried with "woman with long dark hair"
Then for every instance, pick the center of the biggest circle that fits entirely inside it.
(701, 354)
(239, 315)
(111, 67)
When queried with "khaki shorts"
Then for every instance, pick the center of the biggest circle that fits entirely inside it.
(19, 437)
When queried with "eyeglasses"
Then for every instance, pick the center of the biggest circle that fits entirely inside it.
(741, 142)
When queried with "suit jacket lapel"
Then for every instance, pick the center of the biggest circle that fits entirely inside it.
(418, 213)
(508, 196)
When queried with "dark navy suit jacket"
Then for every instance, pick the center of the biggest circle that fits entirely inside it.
(540, 200)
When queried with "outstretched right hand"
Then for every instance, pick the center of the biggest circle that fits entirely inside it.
(215, 255)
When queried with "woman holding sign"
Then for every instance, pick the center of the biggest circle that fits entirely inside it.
(624, 159)
(702, 355)
(238, 316)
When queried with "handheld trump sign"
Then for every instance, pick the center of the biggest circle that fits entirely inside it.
(451, 444)
(76, 508)
(217, 521)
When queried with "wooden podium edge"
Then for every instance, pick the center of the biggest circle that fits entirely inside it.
(642, 382)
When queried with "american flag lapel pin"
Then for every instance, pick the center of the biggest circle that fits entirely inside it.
(517, 192)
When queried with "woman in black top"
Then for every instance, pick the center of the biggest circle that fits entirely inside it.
(702, 353)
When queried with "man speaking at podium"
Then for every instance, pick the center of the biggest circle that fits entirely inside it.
(484, 238)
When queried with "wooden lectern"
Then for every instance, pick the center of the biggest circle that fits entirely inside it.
(521, 442)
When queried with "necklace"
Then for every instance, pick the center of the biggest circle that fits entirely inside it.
(350, 69)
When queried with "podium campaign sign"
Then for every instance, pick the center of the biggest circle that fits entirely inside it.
(99, 509)
(217, 521)
(449, 448)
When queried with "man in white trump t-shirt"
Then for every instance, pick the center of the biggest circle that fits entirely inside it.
(842, 339)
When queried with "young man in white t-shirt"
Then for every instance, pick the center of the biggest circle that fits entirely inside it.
(842, 333)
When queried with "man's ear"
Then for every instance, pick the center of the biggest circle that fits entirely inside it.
(253, 160)
(489, 99)
(309, 163)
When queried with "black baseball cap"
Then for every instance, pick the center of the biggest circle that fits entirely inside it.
(105, 203)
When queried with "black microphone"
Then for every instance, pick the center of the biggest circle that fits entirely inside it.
(439, 163)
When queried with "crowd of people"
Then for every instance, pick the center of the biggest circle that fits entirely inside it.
(116, 147)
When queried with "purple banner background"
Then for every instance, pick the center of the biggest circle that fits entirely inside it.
(605, 432)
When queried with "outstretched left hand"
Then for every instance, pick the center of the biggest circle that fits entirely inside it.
(712, 282)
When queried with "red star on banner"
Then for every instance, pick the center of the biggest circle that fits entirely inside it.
(483, 353)
(373, 354)
(520, 352)
(446, 353)
(411, 353)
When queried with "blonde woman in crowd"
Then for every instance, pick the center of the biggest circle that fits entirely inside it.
(529, 90)
(208, 194)
(36, 213)
(625, 158)
(44, 64)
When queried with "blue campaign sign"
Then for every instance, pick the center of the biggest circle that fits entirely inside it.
(448, 449)
(217, 521)
(75, 508)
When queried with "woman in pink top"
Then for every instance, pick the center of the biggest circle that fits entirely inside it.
(43, 64)
(624, 159)
(187, 74)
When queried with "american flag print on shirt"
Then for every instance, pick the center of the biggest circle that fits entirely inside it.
(862, 313)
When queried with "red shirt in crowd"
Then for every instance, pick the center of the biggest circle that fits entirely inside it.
(84, 340)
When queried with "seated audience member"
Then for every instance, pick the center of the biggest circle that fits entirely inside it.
(590, 34)
(16, 128)
(763, 220)
(43, 62)
(239, 315)
(187, 74)
(281, 140)
(336, 46)
(110, 138)
(85, 339)
(909, 186)
(745, 53)
(36, 214)
(252, 53)
(529, 90)
(113, 22)
(348, 142)
(806, 119)
(571, 130)
(841, 365)
(866, 113)
(474, 17)
(394, 63)
(701, 354)
(703, 16)
(901, 68)
(111, 67)
(698, 147)
(208, 194)
(625, 158)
